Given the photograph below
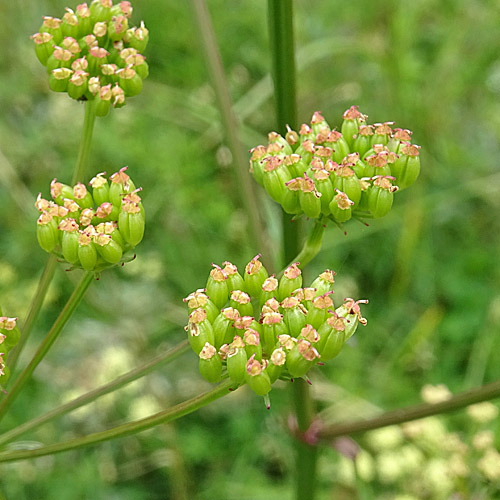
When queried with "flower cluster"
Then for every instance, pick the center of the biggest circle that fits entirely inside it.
(321, 172)
(9, 337)
(258, 329)
(91, 229)
(93, 54)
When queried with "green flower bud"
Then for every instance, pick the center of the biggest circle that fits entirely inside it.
(59, 79)
(324, 187)
(217, 288)
(316, 315)
(406, 168)
(380, 196)
(199, 299)
(399, 136)
(83, 16)
(332, 337)
(276, 175)
(234, 279)
(100, 10)
(223, 326)
(290, 281)
(237, 360)
(87, 253)
(52, 25)
(296, 166)
(241, 301)
(340, 207)
(272, 326)
(340, 146)
(96, 57)
(351, 311)
(256, 377)
(257, 165)
(294, 315)
(70, 24)
(210, 364)
(108, 249)
(47, 234)
(344, 179)
(362, 143)
(291, 137)
(200, 330)
(324, 282)
(350, 126)
(382, 133)
(306, 151)
(254, 276)
(82, 196)
(269, 290)
(138, 37)
(253, 347)
(44, 46)
(301, 358)
(276, 364)
(70, 238)
(78, 84)
(319, 124)
(275, 138)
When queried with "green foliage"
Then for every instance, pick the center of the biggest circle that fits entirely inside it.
(429, 267)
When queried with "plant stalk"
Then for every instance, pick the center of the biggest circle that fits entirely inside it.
(89, 397)
(83, 153)
(401, 415)
(127, 429)
(284, 76)
(49, 339)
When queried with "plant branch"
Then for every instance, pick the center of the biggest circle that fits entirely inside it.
(83, 153)
(401, 415)
(127, 429)
(231, 126)
(160, 360)
(49, 339)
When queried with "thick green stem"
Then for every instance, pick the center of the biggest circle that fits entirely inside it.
(49, 339)
(83, 153)
(231, 127)
(284, 77)
(36, 305)
(91, 396)
(401, 415)
(125, 429)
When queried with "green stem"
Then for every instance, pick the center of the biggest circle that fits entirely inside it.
(91, 396)
(401, 415)
(49, 339)
(231, 126)
(36, 305)
(311, 248)
(125, 429)
(83, 153)
(284, 76)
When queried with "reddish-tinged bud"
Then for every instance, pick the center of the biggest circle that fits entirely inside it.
(44, 46)
(241, 301)
(234, 279)
(324, 282)
(290, 281)
(254, 276)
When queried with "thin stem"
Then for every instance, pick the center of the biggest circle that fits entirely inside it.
(231, 126)
(49, 339)
(311, 248)
(166, 357)
(83, 153)
(125, 429)
(36, 305)
(284, 76)
(401, 415)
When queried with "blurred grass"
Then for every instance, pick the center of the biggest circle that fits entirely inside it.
(430, 269)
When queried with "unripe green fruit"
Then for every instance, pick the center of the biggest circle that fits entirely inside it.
(274, 182)
(290, 202)
(379, 201)
(70, 246)
(310, 203)
(236, 365)
(111, 252)
(11, 339)
(290, 281)
(87, 255)
(211, 369)
(254, 276)
(217, 291)
(260, 384)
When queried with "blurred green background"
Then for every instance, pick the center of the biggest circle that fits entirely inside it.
(430, 268)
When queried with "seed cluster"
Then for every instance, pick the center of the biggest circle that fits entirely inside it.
(93, 54)
(321, 172)
(258, 329)
(9, 337)
(92, 229)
